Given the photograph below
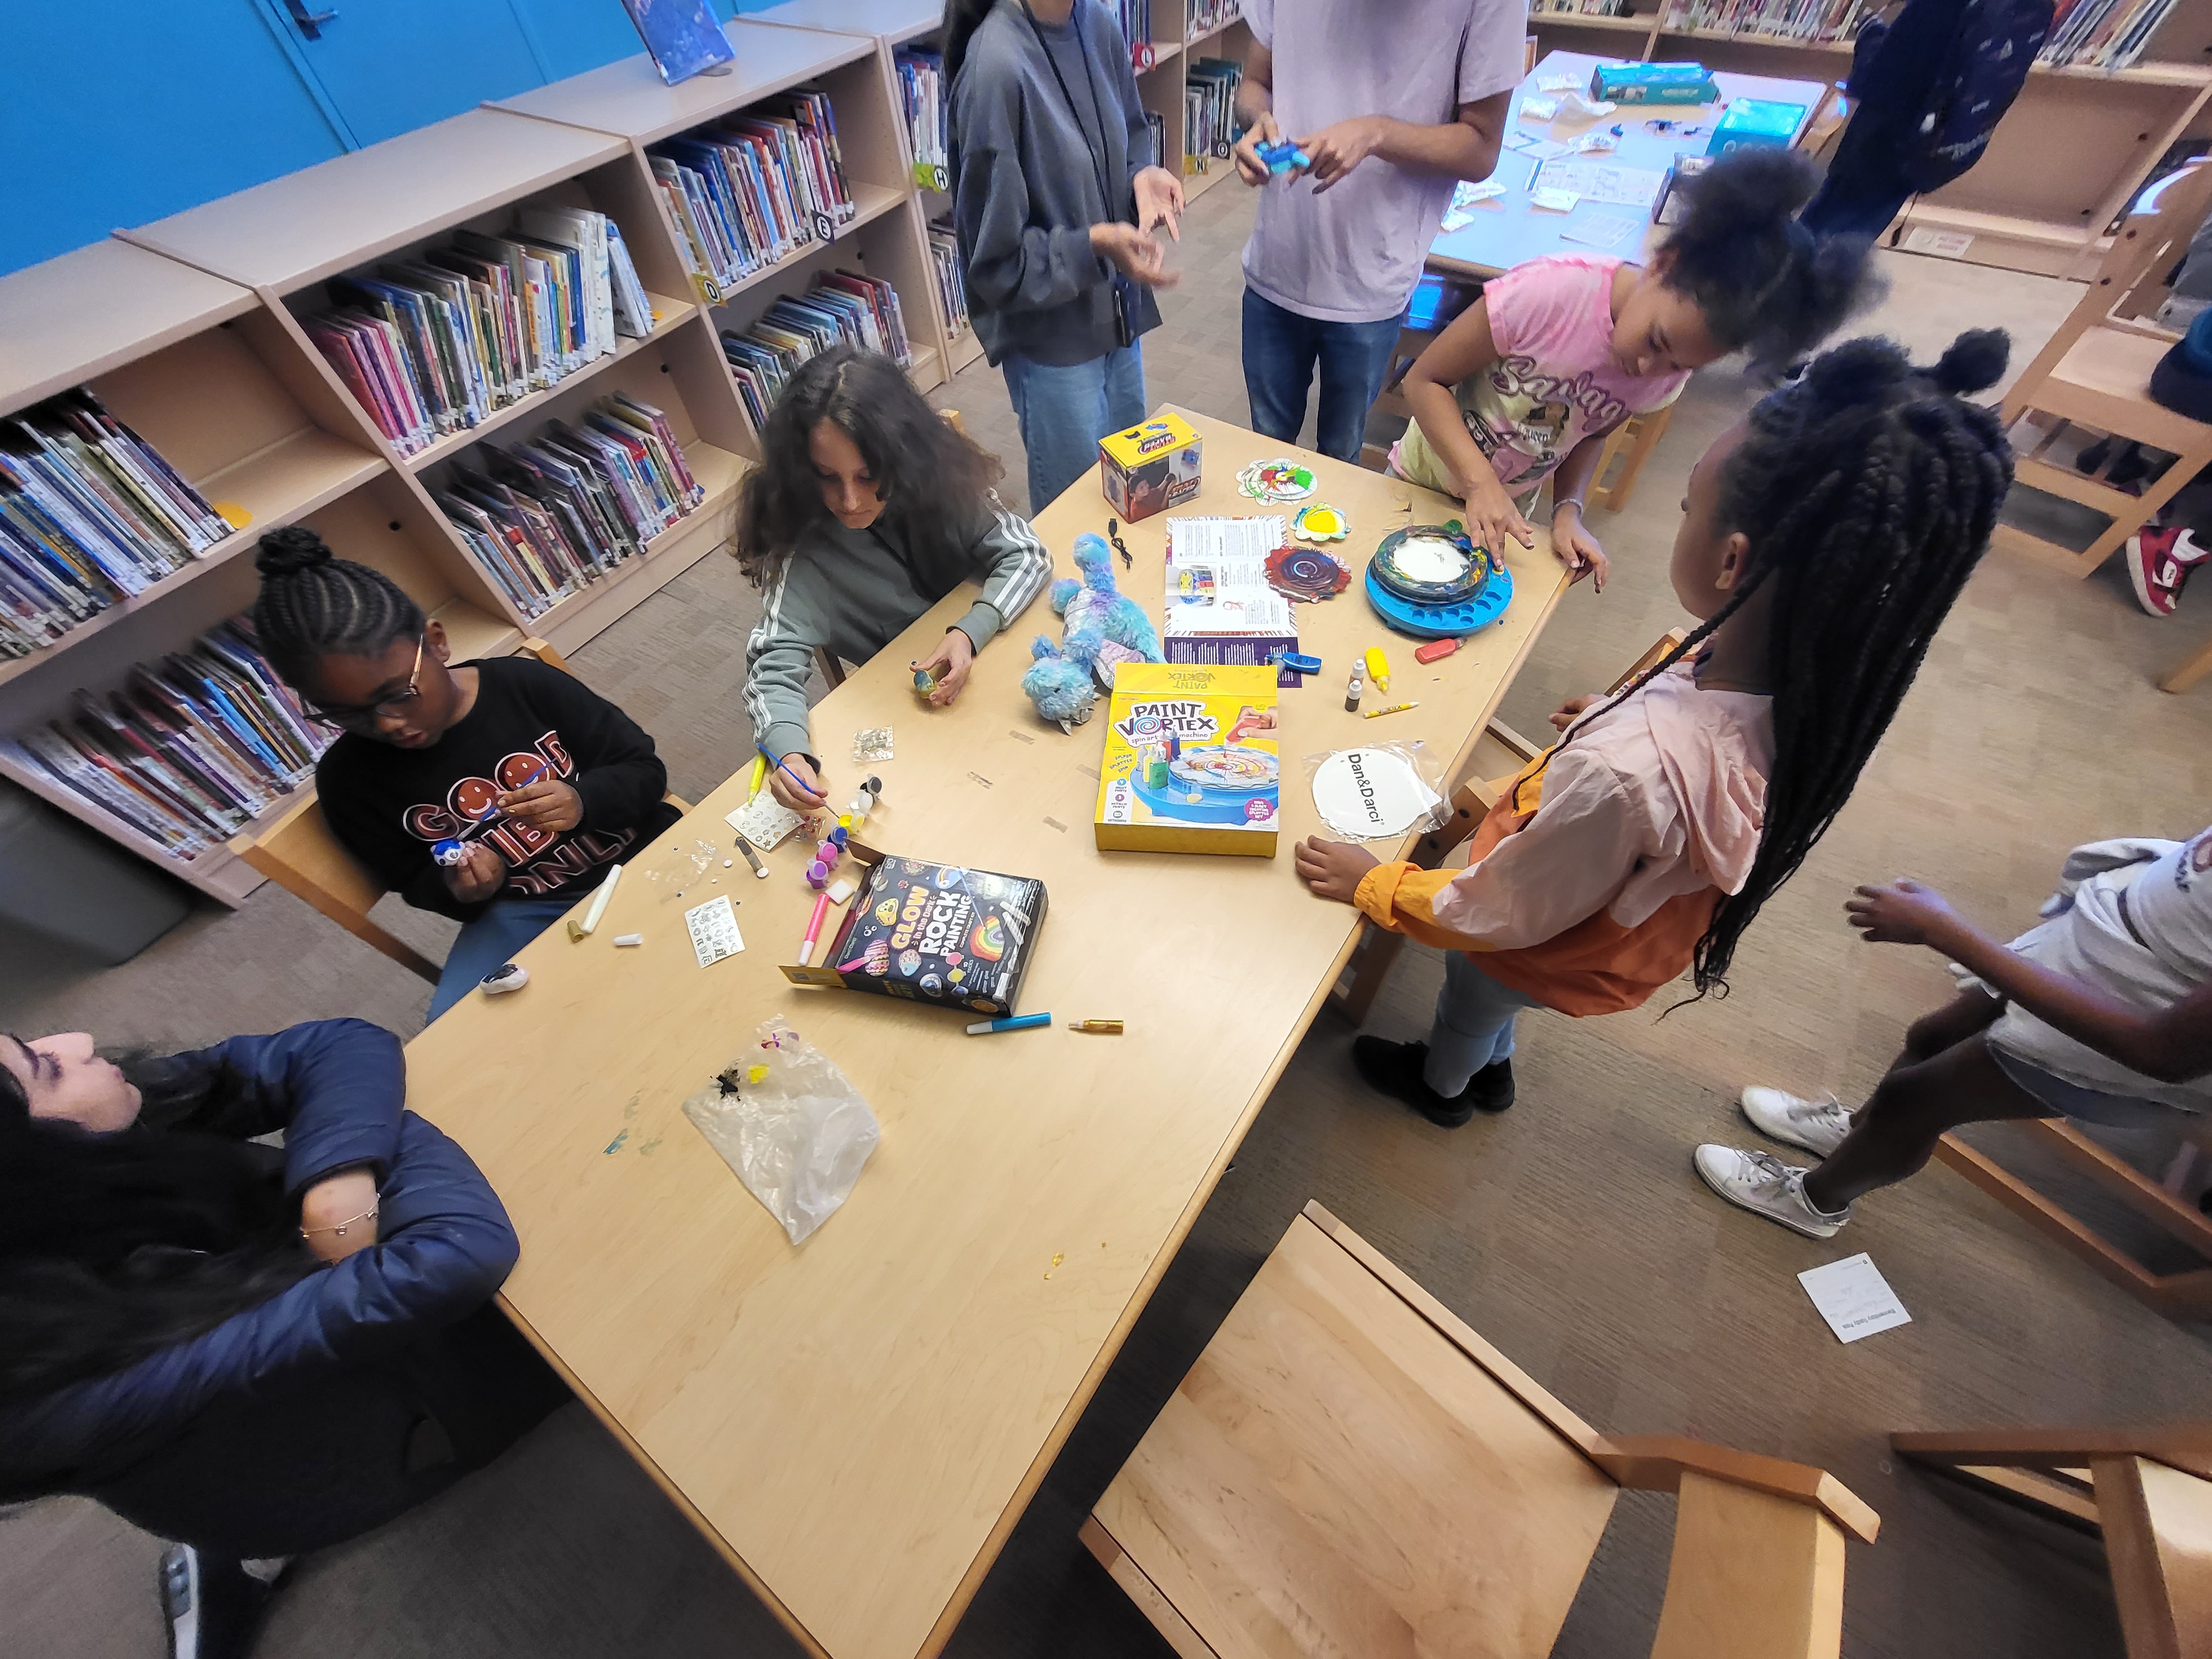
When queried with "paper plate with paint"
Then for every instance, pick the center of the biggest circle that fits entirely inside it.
(1279, 480)
(1306, 573)
(1317, 521)
(1362, 794)
(1431, 564)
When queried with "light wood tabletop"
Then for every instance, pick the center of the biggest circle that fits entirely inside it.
(858, 1421)
(1507, 231)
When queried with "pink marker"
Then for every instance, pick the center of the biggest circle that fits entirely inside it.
(814, 929)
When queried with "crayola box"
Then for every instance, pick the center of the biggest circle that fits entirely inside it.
(1192, 763)
(1151, 467)
(934, 932)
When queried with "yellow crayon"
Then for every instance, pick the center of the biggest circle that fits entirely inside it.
(1395, 709)
(1104, 1027)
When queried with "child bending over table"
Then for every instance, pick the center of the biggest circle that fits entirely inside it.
(1526, 382)
(1823, 539)
(866, 509)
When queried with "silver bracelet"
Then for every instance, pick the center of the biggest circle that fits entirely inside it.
(339, 1228)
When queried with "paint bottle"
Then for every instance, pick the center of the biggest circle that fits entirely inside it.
(1351, 691)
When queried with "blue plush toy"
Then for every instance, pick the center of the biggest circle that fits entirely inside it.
(1059, 685)
(1095, 611)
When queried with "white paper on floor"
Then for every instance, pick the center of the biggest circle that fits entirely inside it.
(1854, 1298)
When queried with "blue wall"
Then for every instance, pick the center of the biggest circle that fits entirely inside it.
(113, 118)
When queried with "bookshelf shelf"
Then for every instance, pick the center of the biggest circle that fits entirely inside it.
(966, 349)
(75, 318)
(893, 22)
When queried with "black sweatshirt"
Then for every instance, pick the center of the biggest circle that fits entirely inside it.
(390, 806)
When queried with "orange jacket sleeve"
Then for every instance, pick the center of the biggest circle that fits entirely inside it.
(1400, 897)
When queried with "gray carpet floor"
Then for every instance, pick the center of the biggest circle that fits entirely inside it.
(1569, 1231)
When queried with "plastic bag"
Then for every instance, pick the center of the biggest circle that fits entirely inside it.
(1377, 791)
(791, 1126)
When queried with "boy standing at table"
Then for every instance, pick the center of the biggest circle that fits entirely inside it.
(1392, 109)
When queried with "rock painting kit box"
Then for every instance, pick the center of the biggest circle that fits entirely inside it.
(934, 932)
(1151, 467)
(1191, 763)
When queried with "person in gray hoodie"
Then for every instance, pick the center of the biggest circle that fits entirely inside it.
(865, 510)
(1054, 199)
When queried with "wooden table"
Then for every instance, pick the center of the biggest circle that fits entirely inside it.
(1506, 230)
(858, 1422)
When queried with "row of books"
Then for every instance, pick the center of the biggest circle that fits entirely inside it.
(1795, 20)
(1209, 108)
(921, 95)
(89, 514)
(432, 345)
(547, 518)
(1135, 17)
(191, 749)
(754, 187)
(1204, 15)
(842, 306)
(952, 286)
(1592, 8)
(2103, 33)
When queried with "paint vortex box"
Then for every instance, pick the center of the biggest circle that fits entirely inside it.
(1191, 763)
(934, 933)
(1151, 467)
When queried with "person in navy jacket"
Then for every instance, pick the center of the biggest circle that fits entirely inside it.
(254, 1352)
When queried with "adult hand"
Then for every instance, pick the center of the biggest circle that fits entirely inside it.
(954, 656)
(1492, 517)
(1338, 148)
(1903, 913)
(1572, 709)
(1332, 868)
(1159, 201)
(1576, 548)
(479, 875)
(796, 795)
(548, 804)
(347, 1197)
(1249, 167)
(1133, 253)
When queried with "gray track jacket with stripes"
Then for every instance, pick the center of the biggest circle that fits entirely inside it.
(852, 592)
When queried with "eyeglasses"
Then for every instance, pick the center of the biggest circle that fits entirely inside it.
(395, 704)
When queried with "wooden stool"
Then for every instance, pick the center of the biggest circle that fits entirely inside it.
(1631, 443)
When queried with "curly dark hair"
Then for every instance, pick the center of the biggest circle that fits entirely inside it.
(313, 603)
(933, 481)
(1767, 285)
(1868, 491)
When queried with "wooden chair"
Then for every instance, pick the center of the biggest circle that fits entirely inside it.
(2148, 1492)
(1630, 444)
(1499, 746)
(1348, 1469)
(299, 853)
(2094, 373)
(2195, 669)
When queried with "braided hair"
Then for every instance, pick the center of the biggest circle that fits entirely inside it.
(1867, 491)
(314, 604)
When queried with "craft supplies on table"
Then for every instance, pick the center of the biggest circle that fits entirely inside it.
(1098, 1027)
(1011, 1023)
(1317, 521)
(1436, 650)
(1152, 466)
(1306, 575)
(1673, 201)
(1221, 609)
(1191, 763)
(1395, 709)
(714, 929)
(1653, 83)
(1375, 791)
(1432, 582)
(761, 822)
(934, 932)
(1607, 182)
(1749, 122)
(1272, 483)
(579, 931)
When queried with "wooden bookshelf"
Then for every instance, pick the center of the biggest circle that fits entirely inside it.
(2063, 164)
(1161, 89)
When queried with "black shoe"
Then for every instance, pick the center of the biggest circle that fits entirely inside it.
(1394, 1069)
(211, 1606)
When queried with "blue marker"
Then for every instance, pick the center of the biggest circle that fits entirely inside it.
(1011, 1023)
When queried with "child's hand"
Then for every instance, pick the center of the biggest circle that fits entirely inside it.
(1576, 548)
(1332, 868)
(1249, 167)
(1571, 710)
(1340, 147)
(954, 656)
(1134, 253)
(479, 875)
(790, 795)
(1492, 517)
(548, 804)
(1903, 913)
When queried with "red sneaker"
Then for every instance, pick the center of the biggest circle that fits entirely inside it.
(2158, 563)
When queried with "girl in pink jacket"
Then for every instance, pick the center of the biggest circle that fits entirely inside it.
(1823, 540)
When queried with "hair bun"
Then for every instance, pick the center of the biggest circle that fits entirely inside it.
(1755, 186)
(1861, 371)
(1974, 361)
(293, 547)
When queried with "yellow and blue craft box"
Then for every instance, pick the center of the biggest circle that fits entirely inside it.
(1192, 764)
(1152, 466)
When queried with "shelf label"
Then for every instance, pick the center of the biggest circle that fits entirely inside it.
(825, 227)
(932, 175)
(1944, 244)
(1141, 56)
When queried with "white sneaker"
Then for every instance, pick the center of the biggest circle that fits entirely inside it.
(1764, 1184)
(1818, 1126)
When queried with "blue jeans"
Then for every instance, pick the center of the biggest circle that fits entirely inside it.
(1280, 349)
(1473, 1025)
(1065, 409)
(488, 942)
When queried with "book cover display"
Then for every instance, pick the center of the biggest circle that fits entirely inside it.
(934, 933)
(1191, 763)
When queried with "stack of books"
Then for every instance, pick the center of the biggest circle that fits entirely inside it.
(89, 514)
(1817, 20)
(1209, 111)
(842, 306)
(2102, 34)
(952, 286)
(754, 188)
(191, 750)
(921, 92)
(1206, 15)
(548, 518)
(433, 345)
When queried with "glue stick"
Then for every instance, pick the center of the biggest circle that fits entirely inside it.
(1378, 668)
